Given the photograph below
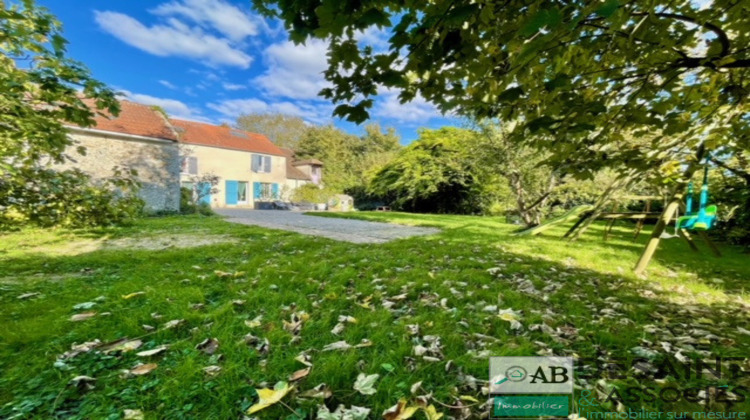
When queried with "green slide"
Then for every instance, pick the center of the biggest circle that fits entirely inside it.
(568, 216)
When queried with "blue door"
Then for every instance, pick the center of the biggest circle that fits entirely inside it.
(205, 191)
(232, 188)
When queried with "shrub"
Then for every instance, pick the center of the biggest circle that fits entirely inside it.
(187, 205)
(45, 197)
(311, 193)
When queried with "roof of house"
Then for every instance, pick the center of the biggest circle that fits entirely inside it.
(135, 119)
(291, 171)
(308, 162)
(223, 136)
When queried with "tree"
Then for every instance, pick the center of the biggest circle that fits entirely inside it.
(41, 90)
(283, 130)
(437, 173)
(578, 74)
(347, 158)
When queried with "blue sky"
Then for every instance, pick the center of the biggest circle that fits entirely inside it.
(212, 60)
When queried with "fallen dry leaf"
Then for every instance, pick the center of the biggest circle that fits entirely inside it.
(28, 295)
(143, 369)
(320, 391)
(82, 316)
(255, 322)
(296, 376)
(400, 411)
(123, 345)
(208, 346)
(132, 414)
(173, 323)
(212, 370)
(153, 352)
(268, 397)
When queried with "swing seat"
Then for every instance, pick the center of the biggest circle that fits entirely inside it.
(704, 220)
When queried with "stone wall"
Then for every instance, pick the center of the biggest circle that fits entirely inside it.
(157, 163)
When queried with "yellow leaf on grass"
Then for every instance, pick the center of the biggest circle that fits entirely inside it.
(268, 397)
(132, 295)
(508, 317)
(468, 398)
(432, 413)
(400, 411)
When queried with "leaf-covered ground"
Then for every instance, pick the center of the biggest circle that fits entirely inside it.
(130, 322)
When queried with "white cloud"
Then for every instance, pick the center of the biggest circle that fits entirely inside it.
(294, 71)
(375, 37)
(228, 19)
(233, 108)
(173, 107)
(233, 86)
(167, 84)
(173, 39)
(418, 110)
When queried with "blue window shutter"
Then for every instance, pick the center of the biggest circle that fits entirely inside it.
(254, 163)
(267, 163)
(257, 190)
(205, 188)
(275, 191)
(232, 188)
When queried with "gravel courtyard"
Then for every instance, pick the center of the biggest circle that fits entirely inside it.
(355, 231)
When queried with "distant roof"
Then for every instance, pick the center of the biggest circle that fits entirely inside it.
(203, 134)
(135, 119)
(308, 162)
(291, 171)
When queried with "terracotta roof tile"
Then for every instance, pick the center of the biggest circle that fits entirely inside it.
(203, 134)
(135, 119)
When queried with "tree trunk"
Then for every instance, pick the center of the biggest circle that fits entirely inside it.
(517, 186)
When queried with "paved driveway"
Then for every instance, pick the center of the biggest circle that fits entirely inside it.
(357, 231)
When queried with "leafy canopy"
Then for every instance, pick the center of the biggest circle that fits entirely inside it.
(436, 173)
(42, 88)
(284, 130)
(577, 75)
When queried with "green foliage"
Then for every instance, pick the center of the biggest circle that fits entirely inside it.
(68, 198)
(188, 204)
(580, 77)
(436, 173)
(283, 130)
(42, 89)
(730, 189)
(311, 193)
(347, 159)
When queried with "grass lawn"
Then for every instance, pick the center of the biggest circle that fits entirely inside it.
(428, 309)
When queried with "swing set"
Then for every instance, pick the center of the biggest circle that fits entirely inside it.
(693, 221)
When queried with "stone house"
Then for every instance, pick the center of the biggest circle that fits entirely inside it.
(170, 153)
(253, 171)
(139, 138)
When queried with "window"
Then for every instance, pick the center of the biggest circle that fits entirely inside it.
(242, 192)
(261, 163)
(265, 191)
(189, 165)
